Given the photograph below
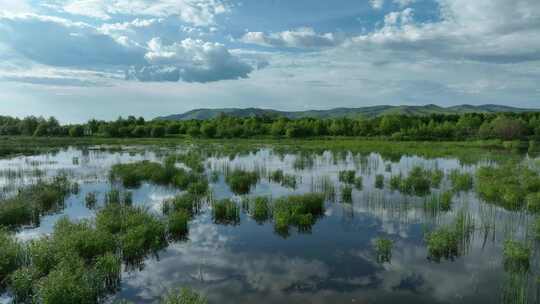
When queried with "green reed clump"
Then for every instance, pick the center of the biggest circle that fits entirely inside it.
(536, 227)
(419, 181)
(451, 241)
(347, 176)
(359, 183)
(516, 256)
(436, 203)
(11, 255)
(395, 181)
(226, 212)
(533, 202)
(26, 207)
(78, 263)
(436, 177)
(260, 209)
(507, 186)
(183, 296)
(242, 181)
(379, 181)
(137, 231)
(199, 188)
(285, 180)
(127, 198)
(192, 160)
(90, 200)
(383, 248)
(187, 202)
(461, 181)
(446, 200)
(113, 197)
(300, 211)
(132, 175)
(346, 194)
(177, 223)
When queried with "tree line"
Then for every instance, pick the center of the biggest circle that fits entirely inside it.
(505, 126)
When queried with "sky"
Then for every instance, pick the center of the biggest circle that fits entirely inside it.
(82, 59)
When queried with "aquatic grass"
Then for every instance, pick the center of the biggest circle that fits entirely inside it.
(436, 177)
(177, 223)
(516, 256)
(90, 200)
(300, 211)
(346, 194)
(183, 296)
(451, 241)
(383, 249)
(242, 181)
(187, 202)
(508, 186)
(379, 181)
(536, 228)
(461, 181)
(533, 202)
(446, 200)
(260, 209)
(22, 284)
(226, 212)
(347, 176)
(359, 183)
(199, 188)
(11, 255)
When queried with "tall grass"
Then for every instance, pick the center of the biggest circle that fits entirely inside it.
(516, 256)
(383, 248)
(242, 181)
(226, 212)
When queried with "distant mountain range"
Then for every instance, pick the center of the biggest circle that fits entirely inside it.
(368, 112)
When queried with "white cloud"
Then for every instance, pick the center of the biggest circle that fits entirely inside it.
(190, 60)
(483, 30)
(376, 4)
(196, 12)
(300, 38)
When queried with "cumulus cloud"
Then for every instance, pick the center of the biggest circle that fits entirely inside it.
(196, 12)
(190, 60)
(376, 4)
(61, 42)
(497, 31)
(300, 38)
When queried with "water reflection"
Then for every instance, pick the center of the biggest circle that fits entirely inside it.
(334, 262)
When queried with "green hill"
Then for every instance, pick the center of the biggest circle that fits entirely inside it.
(372, 111)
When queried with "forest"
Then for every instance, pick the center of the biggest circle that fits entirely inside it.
(504, 126)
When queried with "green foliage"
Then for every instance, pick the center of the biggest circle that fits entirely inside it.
(383, 248)
(451, 241)
(183, 296)
(461, 181)
(533, 202)
(33, 201)
(178, 224)
(446, 200)
(346, 194)
(516, 256)
(186, 202)
(226, 212)
(242, 181)
(11, 255)
(285, 180)
(508, 186)
(536, 228)
(359, 183)
(419, 181)
(300, 211)
(379, 181)
(260, 209)
(91, 200)
(347, 176)
(22, 284)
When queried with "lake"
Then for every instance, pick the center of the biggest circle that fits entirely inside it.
(335, 259)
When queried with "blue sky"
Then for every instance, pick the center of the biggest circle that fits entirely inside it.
(77, 59)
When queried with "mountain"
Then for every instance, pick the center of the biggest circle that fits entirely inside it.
(373, 111)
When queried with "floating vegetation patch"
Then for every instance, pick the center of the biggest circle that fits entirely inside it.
(242, 181)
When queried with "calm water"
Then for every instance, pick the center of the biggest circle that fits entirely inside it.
(334, 263)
